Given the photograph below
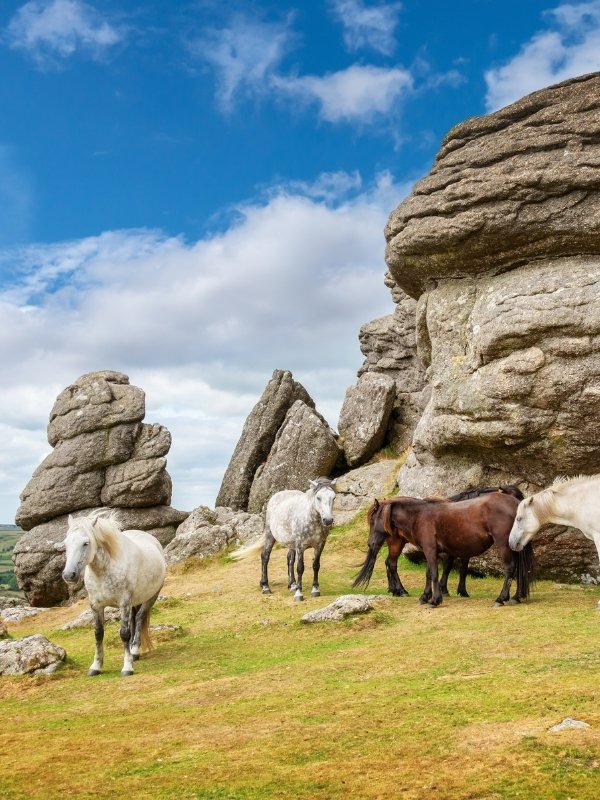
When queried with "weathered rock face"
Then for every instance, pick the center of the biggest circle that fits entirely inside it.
(258, 437)
(365, 415)
(103, 456)
(206, 532)
(356, 489)
(501, 246)
(304, 449)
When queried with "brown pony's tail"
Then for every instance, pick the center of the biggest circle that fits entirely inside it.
(146, 641)
(525, 571)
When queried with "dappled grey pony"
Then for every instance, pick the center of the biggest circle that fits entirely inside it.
(297, 520)
(121, 569)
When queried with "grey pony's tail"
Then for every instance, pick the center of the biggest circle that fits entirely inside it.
(248, 549)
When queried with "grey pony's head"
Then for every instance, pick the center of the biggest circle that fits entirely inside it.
(323, 490)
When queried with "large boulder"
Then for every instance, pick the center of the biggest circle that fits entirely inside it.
(356, 489)
(501, 246)
(206, 532)
(258, 436)
(365, 415)
(304, 449)
(31, 655)
(103, 456)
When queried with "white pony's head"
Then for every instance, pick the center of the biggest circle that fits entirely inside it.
(324, 495)
(84, 536)
(526, 524)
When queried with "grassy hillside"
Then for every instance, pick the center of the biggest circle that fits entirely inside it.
(249, 704)
(8, 581)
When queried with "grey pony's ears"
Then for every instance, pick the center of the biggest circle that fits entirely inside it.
(314, 484)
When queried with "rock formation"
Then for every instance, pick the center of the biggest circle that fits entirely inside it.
(104, 455)
(365, 416)
(500, 246)
(356, 489)
(31, 655)
(258, 437)
(206, 532)
(305, 448)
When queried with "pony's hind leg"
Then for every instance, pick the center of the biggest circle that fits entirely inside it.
(298, 596)
(98, 662)
(316, 592)
(291, 560)
(448, 562)
(140, 616)
(125, 634)
(264, 558)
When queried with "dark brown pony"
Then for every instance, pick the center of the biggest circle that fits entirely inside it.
(447, 529)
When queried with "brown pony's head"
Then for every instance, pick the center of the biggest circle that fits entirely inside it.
(378, 518)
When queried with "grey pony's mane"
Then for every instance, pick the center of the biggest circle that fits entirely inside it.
(103, 528)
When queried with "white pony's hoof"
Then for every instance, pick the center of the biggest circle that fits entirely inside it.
(266, 590)
(315, 593)
(126, 672)
(298, 598)
(92, 672)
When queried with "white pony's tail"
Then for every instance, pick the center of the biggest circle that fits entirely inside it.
(249, 549)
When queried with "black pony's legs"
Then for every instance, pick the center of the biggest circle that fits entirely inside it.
(264, 558)
(461, 590)
(510, 565)
(98, 614)
(395, 587)
(448, 562)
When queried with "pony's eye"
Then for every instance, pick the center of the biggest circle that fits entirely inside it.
(519, 519)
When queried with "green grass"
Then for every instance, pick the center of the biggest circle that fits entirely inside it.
(8, 581)
(250, 704)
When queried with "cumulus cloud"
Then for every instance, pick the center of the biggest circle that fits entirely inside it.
(356, 93)
(199, 325)
(244, 55)
(53, 30)
(568, 47)
(366, 26)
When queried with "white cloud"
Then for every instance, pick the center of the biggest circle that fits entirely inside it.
(359, 93)
(570, 46)
(199, 326)
(51, 30)
(368, 26)
(244, 55)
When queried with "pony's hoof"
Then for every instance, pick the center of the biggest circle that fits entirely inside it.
(266, 590)
(298, 598)
(498, 604)
(514, 602)
(126, 672)
(93, 672)
(135, 656)
(315, 593)
(423, 601)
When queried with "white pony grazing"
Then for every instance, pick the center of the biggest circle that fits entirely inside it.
(121, 569)
(297, 520)
(574, 502)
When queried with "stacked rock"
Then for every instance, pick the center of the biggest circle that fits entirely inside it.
(104, 455)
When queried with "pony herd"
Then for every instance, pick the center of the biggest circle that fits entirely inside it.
(126, 569)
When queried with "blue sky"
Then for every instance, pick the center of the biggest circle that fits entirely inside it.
(194, 192)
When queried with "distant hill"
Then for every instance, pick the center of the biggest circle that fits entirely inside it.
(9, 535)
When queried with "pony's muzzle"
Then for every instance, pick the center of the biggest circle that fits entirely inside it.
(327, 521)
(70, 576)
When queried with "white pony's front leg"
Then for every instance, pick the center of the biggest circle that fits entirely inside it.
(125, 633)
(98, 662)
(596, 538)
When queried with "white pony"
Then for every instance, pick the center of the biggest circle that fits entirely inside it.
(574, 502)
(297, 520)
(121, 569)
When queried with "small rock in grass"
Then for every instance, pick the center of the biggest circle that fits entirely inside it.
(567, 724)
(31, 655)
(17, 613)
(343, 607)
(86, 619)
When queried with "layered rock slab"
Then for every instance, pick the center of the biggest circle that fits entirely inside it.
(258, 437)
(305, 448)
(365, 415)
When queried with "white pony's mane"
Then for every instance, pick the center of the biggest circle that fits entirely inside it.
(103, 528)
(544, 500)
